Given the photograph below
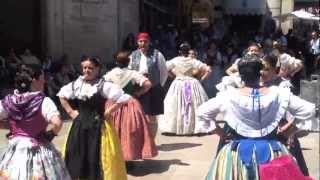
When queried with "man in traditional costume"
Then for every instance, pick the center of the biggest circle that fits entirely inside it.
(151, 63)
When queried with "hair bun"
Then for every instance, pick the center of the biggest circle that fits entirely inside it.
(185, 46)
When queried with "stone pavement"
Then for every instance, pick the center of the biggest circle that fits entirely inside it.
(188, 158)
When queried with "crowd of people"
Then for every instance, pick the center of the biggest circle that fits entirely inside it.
(115, 116)
(58, 72)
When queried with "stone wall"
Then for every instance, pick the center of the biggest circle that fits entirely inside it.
(93, 27)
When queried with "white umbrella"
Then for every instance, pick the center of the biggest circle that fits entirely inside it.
(300, 14)
(304, 15)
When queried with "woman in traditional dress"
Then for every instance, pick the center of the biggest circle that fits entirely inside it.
(184, 95)
(27, 113)
(92, 149)
(233, 79)
(129, 120)
(253, 114)
(289, 66)
(269, 75)
(286, 131)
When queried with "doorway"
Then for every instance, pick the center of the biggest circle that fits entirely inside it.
(20, 26)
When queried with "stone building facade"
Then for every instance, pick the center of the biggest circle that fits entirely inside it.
(93, 27)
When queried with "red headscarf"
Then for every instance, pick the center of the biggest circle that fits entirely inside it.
(143, 36)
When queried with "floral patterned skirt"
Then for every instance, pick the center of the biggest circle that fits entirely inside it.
(24, 160)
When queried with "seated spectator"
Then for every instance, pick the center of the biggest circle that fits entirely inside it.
(230, 55)
(47, 63)
(3, 70)
(58, 79)
(13, 63)
(28, 58)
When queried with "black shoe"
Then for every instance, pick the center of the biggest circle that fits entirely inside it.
(129, 165)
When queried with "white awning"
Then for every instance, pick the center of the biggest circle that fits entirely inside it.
(245, 7)
(300, 14)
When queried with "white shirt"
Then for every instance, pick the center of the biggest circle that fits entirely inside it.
(315, 46)
(82, 90)
(143, 66)
(122, 76)
(48, 110)
(184, 65)
(242, 114)
(30, 59)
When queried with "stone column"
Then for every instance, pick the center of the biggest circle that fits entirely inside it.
(274, 6)
(278, 8)
(54, 11)
(129, 18)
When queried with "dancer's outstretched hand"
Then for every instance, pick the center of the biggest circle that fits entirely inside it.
(49, 135)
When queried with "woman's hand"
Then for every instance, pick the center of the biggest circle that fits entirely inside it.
(287, 130)
(110, 109)
(55, 125)
(205, 72)
(73, 114)
(107, 114)
(220, 132)
(67, 107)
(142, 90)
(138, 93)
(284, 72)
(171, 74)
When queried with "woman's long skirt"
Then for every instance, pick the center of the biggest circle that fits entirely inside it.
(131, 125)
(228, 164)
(184, 96)
(110, 158)
(112, 161)
(25, 160)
